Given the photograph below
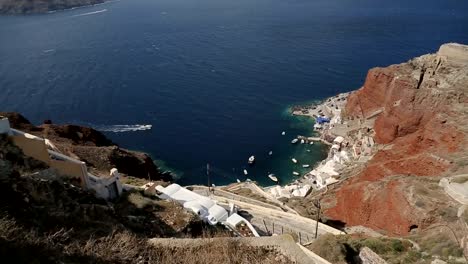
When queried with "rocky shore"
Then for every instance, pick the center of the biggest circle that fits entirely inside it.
(343, 153)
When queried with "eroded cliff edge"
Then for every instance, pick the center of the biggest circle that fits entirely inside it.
(419, 112)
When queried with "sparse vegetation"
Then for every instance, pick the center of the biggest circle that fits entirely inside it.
(28, 246)
(441, 243)
(449, 213)
(51, 221)
(465, 216)
(248, 193)
(331, 248)
(461, 179)
(345, 249)
(133, 180)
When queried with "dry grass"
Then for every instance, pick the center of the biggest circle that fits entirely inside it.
(439, 241)
(345, 249)
(461, 179)
(250, 194)
(27, 246)
(330, 248)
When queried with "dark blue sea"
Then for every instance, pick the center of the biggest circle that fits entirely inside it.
(214, 78)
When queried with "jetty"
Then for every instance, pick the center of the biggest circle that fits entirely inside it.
(307, 140)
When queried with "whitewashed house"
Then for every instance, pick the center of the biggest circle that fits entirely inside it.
(205, 208)
(106, 187)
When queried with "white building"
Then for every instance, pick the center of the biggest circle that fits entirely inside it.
(4, 126)
(204, 207)
(106, 187)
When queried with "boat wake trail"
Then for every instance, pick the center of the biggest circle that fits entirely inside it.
(91, 13)
(123, 128)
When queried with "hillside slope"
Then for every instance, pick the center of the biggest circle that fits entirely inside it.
(45, 219)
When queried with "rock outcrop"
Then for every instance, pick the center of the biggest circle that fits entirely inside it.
(420, 112)
(368, 256)
(92, 147)
(41, 6)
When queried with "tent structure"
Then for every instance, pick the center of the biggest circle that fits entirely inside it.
(321, 120)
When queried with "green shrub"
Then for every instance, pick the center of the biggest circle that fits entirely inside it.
(412, 257)
(397, 245)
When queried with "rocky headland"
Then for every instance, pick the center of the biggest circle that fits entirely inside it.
(16, 7)
(92, 147)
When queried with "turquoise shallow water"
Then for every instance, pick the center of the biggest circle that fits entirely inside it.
(212, 77)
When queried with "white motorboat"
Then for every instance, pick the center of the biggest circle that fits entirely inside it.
(305, 166)
(311, 143)
(302, 141)
(294, 160)
(308, 150)
(273, 177)
(270, 153)
(296, 173)
(238, 181)
(251, 159)
(283, 133)
(245, 172)
(294, 141)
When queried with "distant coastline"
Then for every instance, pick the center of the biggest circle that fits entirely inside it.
(25, 7)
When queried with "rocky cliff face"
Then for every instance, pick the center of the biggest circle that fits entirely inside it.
(92, 147)
(419, 109)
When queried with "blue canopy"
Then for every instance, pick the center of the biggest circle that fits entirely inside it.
(322, 119)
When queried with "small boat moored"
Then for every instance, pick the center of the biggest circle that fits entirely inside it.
(245, 172)
(283, 133)
(273, 177)
(294, 141)
(251, 160)
(305, 166)
(294, 160)
(270, 153)
(296, 173)
(302, 141)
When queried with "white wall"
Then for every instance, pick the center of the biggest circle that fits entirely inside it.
(4, 126)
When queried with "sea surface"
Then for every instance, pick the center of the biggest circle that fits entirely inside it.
(210, 81)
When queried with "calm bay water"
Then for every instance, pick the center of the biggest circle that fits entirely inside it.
(214, 78)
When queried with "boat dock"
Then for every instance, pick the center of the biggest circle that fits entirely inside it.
(313, 139)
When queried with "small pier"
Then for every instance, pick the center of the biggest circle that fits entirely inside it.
(313, 139)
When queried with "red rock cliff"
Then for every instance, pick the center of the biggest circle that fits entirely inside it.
(420, 111)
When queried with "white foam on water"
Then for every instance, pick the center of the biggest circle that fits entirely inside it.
(91, 13)
(123, 128)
